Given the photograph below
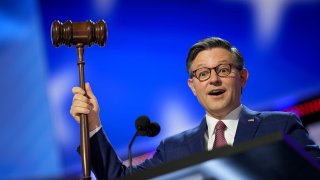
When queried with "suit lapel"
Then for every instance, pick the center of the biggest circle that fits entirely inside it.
(248, 123)
(247, 126)
(196, 141)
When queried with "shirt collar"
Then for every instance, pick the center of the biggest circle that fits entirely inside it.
(228, 120)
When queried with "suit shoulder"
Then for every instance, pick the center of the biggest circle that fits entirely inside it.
(278, 118)
(277, 114)
(182, 136)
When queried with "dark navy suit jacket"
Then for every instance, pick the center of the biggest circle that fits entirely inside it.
(107, 165)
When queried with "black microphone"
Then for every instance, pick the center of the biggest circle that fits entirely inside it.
(144, 128)
(153, 129)
(142, 124)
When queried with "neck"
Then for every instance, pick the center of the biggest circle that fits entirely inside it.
(220, 115)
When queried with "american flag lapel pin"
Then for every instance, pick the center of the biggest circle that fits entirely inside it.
(251, 120)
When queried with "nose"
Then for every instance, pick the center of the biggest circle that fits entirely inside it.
(215, 79)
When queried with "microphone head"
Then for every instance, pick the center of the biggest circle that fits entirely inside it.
(153, 129)
(142, 123)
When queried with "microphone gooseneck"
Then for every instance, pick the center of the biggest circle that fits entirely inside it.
(129, 152)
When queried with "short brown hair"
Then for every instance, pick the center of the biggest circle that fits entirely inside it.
(209, 43)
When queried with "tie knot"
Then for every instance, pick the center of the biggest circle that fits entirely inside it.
(220, 126)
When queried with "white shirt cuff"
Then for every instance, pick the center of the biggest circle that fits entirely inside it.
(93, 132)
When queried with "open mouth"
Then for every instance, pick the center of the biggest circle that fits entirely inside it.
(216, 92)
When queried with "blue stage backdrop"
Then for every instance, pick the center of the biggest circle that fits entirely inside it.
(141, 70)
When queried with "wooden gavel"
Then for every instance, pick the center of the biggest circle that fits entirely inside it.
(80, 34)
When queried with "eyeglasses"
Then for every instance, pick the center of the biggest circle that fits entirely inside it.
(222, 70)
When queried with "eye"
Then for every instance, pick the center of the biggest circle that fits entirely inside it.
(223, 70)
(203, 73)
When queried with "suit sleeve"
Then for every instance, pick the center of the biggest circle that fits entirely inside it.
(297, 131)
(106, 164)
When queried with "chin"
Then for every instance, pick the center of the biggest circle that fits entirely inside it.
(217, 109)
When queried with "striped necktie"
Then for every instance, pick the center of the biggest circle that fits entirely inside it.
(219, 139)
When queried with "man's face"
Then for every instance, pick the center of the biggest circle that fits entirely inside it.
(218, 95)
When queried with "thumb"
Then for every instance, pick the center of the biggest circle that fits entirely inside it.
(89, 91)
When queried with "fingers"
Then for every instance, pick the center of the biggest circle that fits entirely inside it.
(79, 107)
(89, 91)
(78, 90)
(79, 94)
(82, 104)
(81, 98)
(92, 99)
(76, 111)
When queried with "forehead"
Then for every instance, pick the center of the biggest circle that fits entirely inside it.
(212, 57)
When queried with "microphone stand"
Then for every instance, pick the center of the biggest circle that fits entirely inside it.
(129, 151)
(144, 128)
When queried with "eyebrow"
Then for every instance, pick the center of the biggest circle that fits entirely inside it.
(200, 65)
(204, 65)
(224, 61)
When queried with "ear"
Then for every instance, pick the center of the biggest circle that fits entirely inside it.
(244, 74)
(191, 86)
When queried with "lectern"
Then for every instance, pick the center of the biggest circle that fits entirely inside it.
(275, 156)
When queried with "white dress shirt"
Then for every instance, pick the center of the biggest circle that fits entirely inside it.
(231, 121)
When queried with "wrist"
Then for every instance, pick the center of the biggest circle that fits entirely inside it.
(94, 125)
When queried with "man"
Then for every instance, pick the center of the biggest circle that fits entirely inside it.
(216, 77)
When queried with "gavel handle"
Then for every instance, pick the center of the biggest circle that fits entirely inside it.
(84, 130)
(85, 150)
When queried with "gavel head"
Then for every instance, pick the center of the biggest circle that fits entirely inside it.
(74, 33)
